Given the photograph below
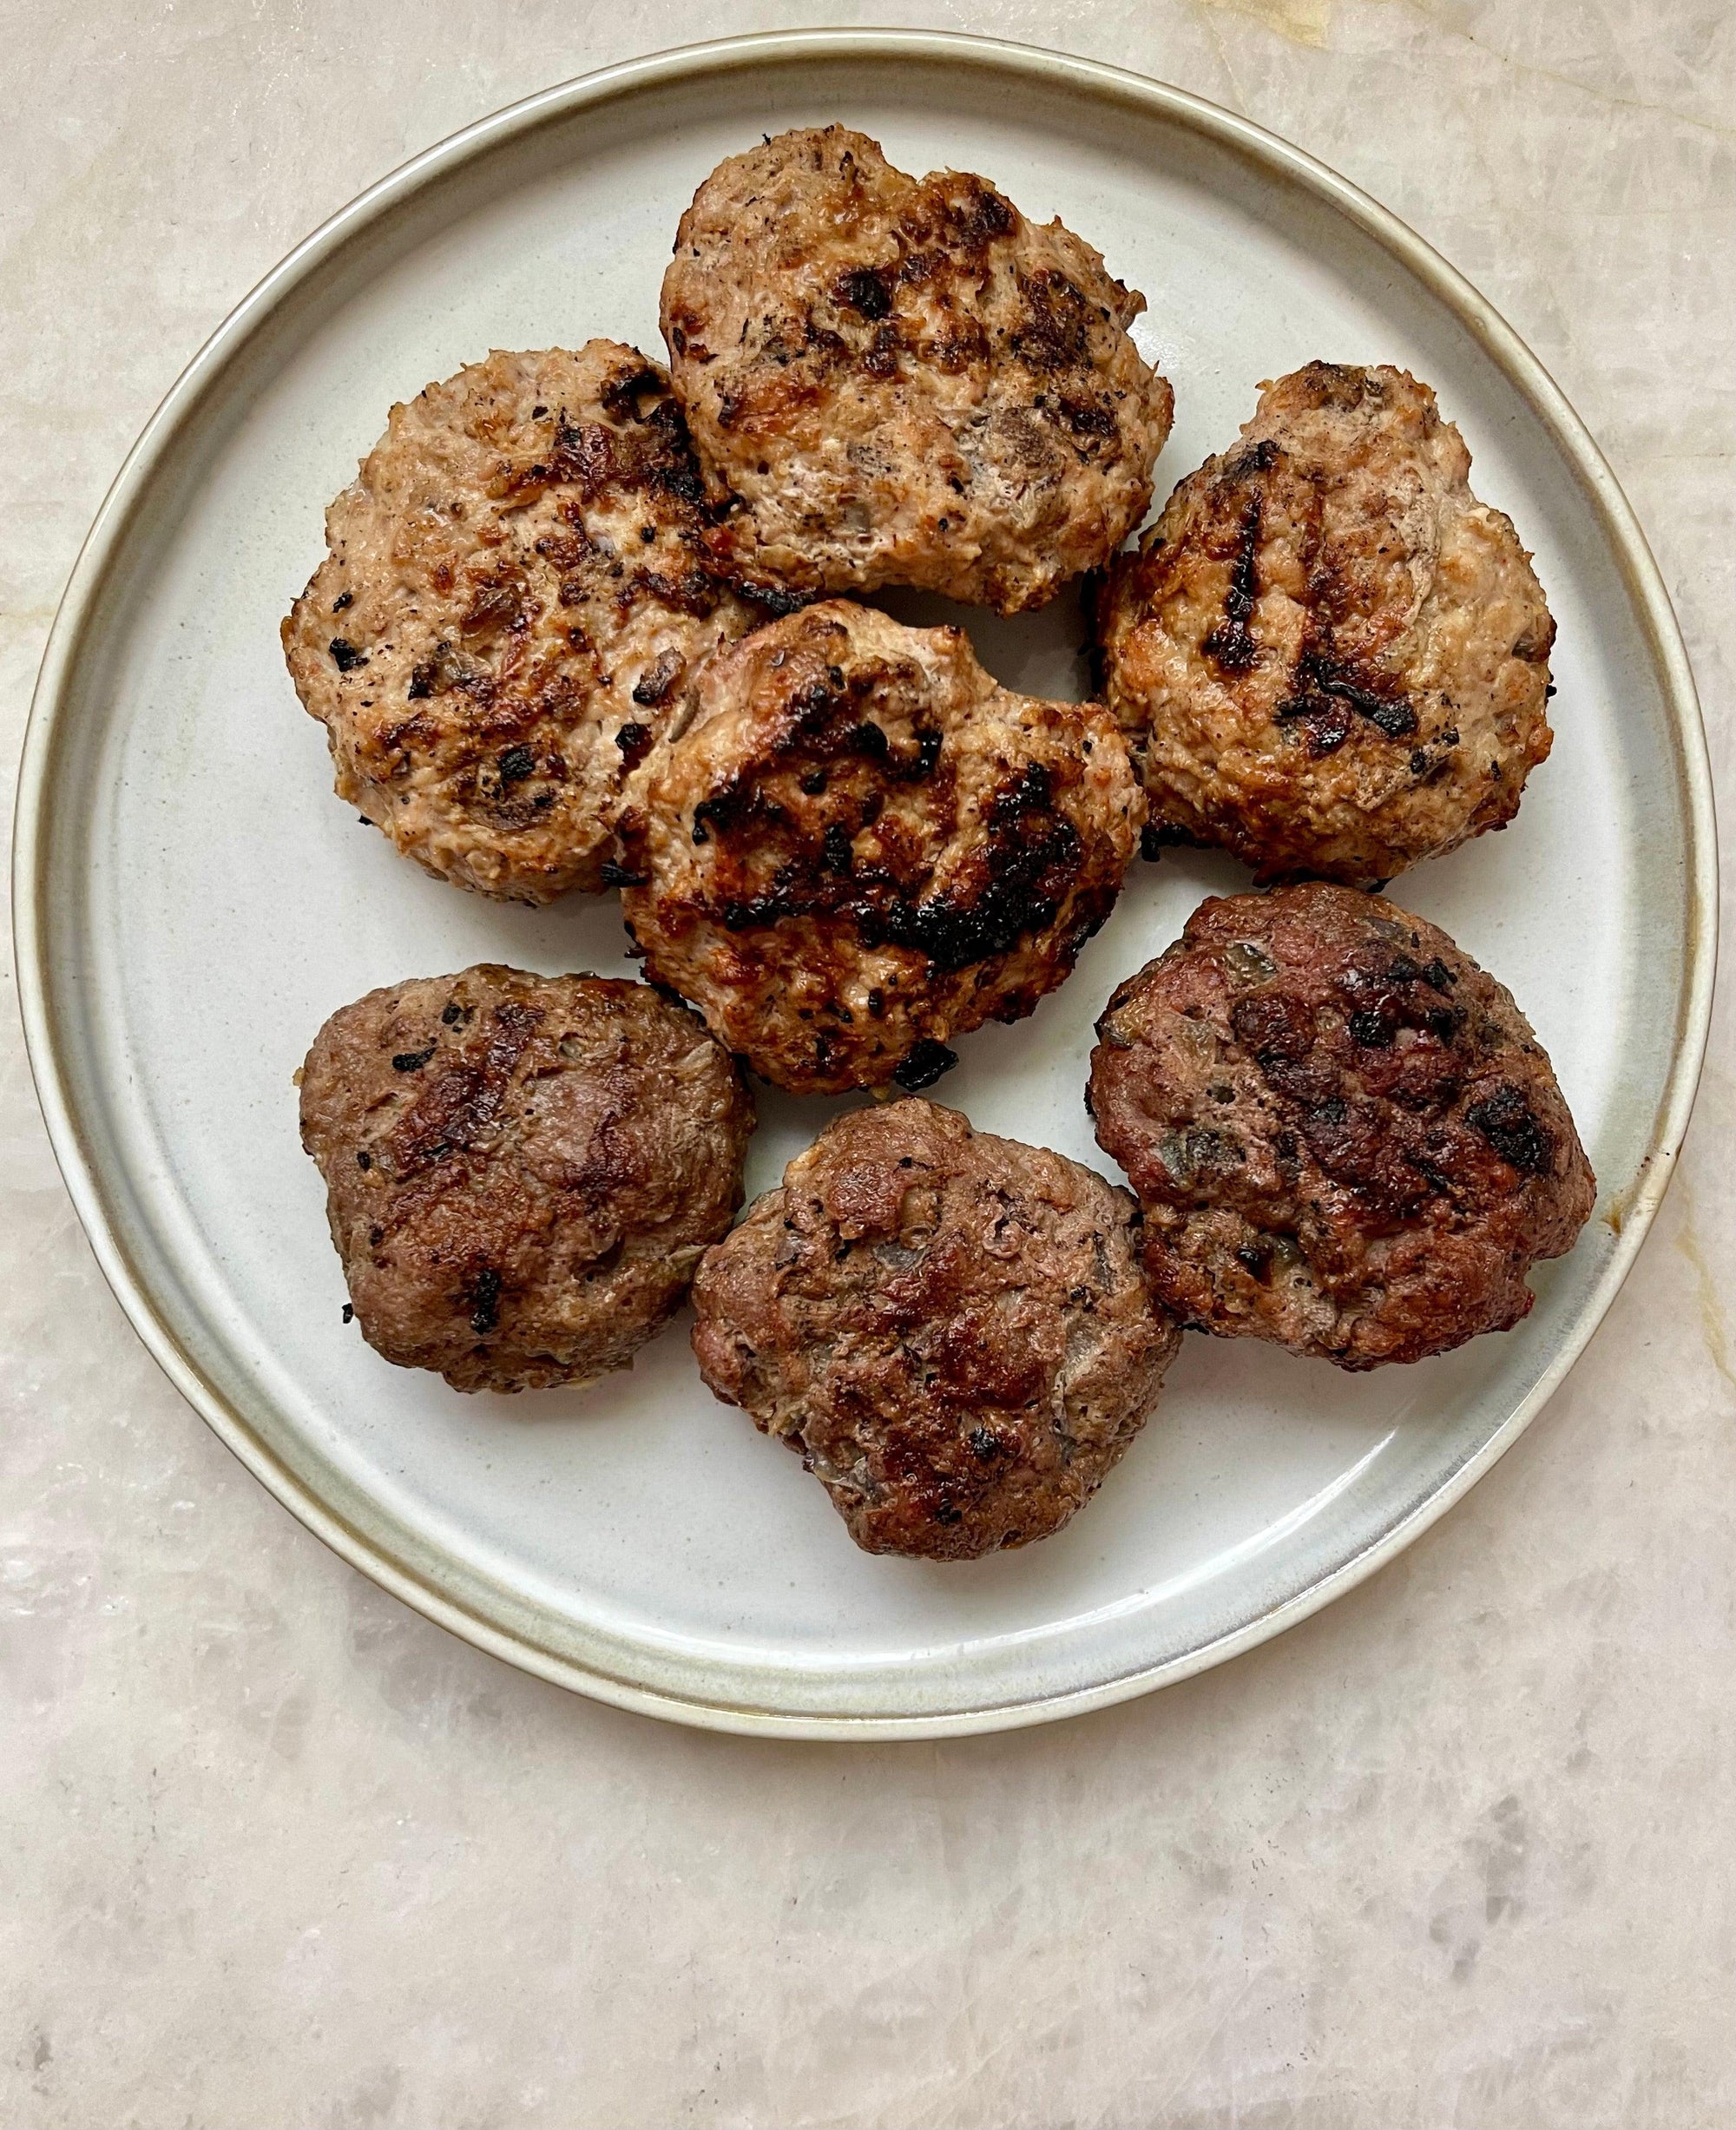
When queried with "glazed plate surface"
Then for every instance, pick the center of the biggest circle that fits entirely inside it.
(193, 902)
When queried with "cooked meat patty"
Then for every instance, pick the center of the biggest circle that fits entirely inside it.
(514, 594)
(520, 1171)
(860, 846)
(1328, 656)
(895, 381)
(952, 1329)
(1344, 1134)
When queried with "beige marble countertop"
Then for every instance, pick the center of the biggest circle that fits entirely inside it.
(1462, 1849)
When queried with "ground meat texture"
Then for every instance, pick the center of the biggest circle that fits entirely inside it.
(521, 1172)
(895, 381)
(513, 593)
(858, 845)
(1328, 656)
(951, 1329)
(1343, 1133)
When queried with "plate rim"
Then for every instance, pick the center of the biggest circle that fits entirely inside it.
(555, 105)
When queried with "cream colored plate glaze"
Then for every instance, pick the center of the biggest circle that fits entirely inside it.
(192, 902)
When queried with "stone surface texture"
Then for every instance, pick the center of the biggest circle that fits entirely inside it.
(278, 1852)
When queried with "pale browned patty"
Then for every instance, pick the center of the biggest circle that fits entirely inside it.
(520, 1171)
(1343, 1133)
(901, 381)
(859, 846)
(514, 596)
(952, 1329)
(1328, 656)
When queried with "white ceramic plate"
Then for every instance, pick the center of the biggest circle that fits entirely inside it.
(192, 902)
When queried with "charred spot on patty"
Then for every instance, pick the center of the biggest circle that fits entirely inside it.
(864, 289)
(1507, 1122)
(1230, 642)
(634, 741)
(924, 1063)
(1157, 836)
(481, 1299)
(1326, 689)
(631, 396)
(655, 685)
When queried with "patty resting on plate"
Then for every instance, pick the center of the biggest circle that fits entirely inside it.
(521, 1172)
(857, 845)
(901, 381)
(1344, 1134)
(952, 1329)
(514, 594)
(1328, 656)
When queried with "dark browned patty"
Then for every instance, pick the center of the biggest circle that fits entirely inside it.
(1343, 1133)
(858, 845)
(521, 1172)
(952, 1329)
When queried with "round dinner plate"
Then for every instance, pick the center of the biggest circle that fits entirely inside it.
(192, 902)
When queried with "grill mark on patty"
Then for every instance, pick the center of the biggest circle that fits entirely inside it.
(460, 1106)
(1229, 644)
(825, 721)
(1016, 883)
(1326, 689)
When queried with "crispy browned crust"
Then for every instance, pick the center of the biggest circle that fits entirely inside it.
(513, 596)
(520, 1171)
(895, 381)
(1328, 656)
(1343, 1133)
(859, 845)
(952, 1329)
